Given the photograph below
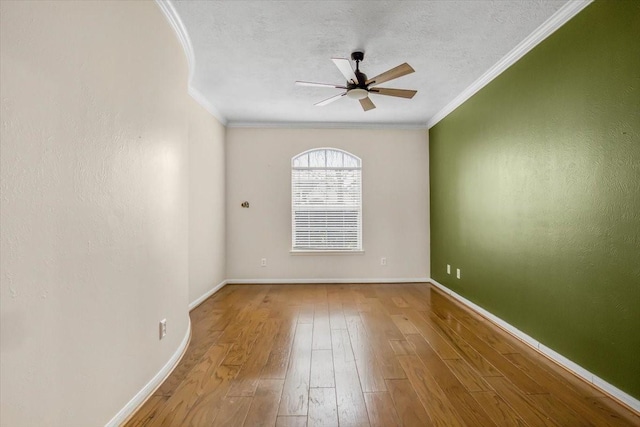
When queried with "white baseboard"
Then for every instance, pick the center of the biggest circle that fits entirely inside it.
(206, 295)
(568, 364)
(320, 281)
(152, 385)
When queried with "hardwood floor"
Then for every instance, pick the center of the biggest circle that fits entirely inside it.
(363, 355)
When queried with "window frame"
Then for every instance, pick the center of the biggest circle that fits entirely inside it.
(358, 167)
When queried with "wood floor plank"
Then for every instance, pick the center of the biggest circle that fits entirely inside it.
(438, 405)
(465, 406)
(402, 347)
(201, 344)
(201, 407)
(241, 325)
(264, 406)
(295, 394)
(336, 316)
(352, 410)
(291, 421)
(495, 358)
(404, 324)
(400, 302)
(615, 417)
(501, 413)
(306, 313)
(560, 388)
(147, 412)
(416, 300)
(386, 303)
(323, 409)
(233, 411)
(561, 414)
(246, 382)
(187, 394)
(382, 412)
(321, 328)
(210, 404)
(469, 377)
(251, 356)
(519, 402)
(481, 327)
(439, 343)
(276, 366)
(369, 370)
(568, 384)
(408, 407)
(379, 340)
(350, 306)
(382, 323)
(466, 351)
(241, 349)
(322, 369)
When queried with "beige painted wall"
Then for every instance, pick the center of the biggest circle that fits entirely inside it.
(206, 202)
(94, 156)
(395, 204)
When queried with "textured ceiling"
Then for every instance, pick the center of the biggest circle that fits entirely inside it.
(249, 53)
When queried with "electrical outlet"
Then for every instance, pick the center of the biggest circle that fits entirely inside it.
(263, 262)
(163, 328)
(383, 261)
(448, 268)
(458, 273)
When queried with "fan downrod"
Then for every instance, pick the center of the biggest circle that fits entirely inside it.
(358, 56)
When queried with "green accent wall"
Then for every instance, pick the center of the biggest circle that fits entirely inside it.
(535, 194)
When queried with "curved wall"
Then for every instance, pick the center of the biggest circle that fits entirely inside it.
(206, 203)
(94, 156)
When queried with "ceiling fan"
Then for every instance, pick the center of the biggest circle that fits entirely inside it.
(359, 87)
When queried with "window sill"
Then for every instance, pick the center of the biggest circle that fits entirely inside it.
(305, 252)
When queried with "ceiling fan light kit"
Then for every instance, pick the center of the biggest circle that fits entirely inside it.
(357, 93)
(359, 87)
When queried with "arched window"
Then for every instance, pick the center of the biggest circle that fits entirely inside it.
(326, 201)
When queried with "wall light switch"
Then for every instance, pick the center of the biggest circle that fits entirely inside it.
(458, 273)
(448, 268)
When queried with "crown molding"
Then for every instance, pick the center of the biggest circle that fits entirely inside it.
(176, 23)
(169, 11)
(327, 125)
(557, 20)
(204, 103)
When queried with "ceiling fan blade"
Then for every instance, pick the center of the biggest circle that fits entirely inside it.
(330, 100)
(367, 104)
(401, 93)
(344, 65)
(312, 84)
(394, 73)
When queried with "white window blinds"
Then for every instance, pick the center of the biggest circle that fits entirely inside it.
(326, 201)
